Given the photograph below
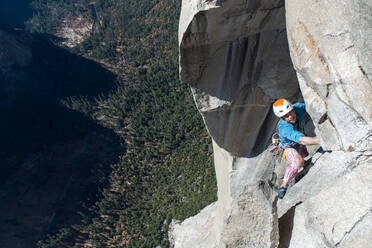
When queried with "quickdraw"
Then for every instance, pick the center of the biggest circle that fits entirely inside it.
(277, 149)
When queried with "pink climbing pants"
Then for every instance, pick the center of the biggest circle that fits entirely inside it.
(292, 169)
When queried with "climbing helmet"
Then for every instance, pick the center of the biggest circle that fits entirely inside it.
(281, 107)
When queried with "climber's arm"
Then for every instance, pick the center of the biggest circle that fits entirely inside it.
(309, 140)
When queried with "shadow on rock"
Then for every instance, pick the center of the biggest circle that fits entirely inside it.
(237, 75)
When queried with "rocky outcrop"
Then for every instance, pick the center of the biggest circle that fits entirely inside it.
(236, 57)
(245, 213)
(74, 30)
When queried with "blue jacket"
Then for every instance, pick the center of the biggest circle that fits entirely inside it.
(289, 134)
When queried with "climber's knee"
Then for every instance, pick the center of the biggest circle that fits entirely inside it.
(294, 157)
(298, 161)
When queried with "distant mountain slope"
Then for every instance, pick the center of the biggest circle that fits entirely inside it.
(52, 158)
(35, 72)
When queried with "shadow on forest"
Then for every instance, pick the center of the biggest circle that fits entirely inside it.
(15, 13)
(53, 159)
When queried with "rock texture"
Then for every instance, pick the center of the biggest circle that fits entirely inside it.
(245, 213)
(236, 57)
(196, 231)
(334, 203)
(332, 55)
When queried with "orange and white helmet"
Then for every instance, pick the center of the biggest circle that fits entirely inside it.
(282, 107)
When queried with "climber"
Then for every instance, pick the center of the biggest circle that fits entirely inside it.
(292, 140)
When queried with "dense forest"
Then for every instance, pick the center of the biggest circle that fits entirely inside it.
(166, 171)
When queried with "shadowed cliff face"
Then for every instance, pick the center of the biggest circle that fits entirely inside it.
(237, 61)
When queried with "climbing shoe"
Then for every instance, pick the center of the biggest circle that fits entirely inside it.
(281, 192)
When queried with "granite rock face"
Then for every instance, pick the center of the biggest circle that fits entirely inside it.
(332, 55)
(333, 203)
(245, 213)
(237, 59)
(198, 228)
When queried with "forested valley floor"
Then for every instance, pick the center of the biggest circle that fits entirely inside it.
(166, 168)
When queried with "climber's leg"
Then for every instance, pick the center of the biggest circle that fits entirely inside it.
(296, 162)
